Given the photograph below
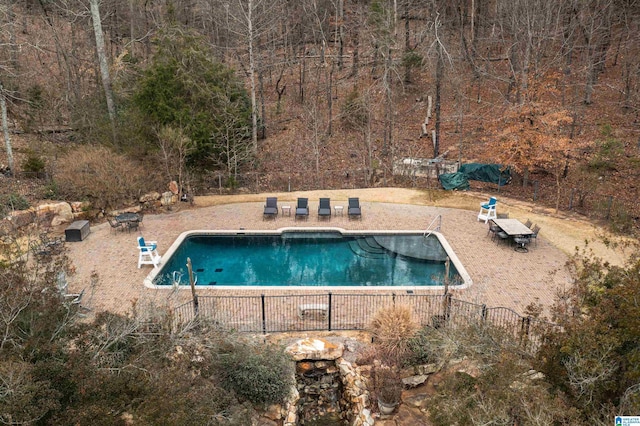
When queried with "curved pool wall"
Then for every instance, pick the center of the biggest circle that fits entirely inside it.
(455, 261)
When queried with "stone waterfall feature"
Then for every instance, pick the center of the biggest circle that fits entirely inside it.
(329, 390)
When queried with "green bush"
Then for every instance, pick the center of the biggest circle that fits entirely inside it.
(33, 164)
(261, 374)
(50, 191)
(355, 112)
(10, 202)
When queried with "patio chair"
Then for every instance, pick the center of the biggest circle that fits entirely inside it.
(503, 236)
(270, 208)
(148, 253)
(534, 236)
(493, 229)
(115, 225)
(133, 225)
(528, 223)
(488, 210)
(354, 210)
(302, 208)
(324, 208)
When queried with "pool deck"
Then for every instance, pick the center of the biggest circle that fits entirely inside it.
(501, 276)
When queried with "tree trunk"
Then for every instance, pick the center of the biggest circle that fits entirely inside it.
(5, 129)
(330, 99)
(340, 14)
(263, 112)
(104, 66)
(356, 56)
(439, 76)
(252, 78)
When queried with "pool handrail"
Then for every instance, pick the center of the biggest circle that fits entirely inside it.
(429, 231)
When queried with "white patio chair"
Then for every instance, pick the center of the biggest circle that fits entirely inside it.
(148, 253)
(488, 210)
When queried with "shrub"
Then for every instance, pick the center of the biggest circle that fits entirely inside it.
(103, 177)
(12, 202)
(392, 328)
(33, 163)
(355, 111)
(387, 385)
(262, 374)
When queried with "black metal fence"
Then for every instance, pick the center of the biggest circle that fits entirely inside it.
(337, 311)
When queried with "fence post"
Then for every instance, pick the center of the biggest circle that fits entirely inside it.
(447, 307)
(289, 187)
(483, 315)
(393, 298)
(329, 312)
(192, 284)
(526, 322)
(264, 315)
(573, 191)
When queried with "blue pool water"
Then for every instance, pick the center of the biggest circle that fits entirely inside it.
(310, 259)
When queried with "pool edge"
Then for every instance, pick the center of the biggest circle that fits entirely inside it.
(466, 278)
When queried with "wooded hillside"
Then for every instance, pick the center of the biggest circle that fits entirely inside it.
(339, 89)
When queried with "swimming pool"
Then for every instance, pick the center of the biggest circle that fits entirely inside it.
(310, 257)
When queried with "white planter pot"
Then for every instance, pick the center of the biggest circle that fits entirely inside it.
(386, 407)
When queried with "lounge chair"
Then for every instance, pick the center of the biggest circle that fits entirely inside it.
(354, 210)
(324, 208)
(488, 210)
(302, 208)
(148, 253)
(270, 208)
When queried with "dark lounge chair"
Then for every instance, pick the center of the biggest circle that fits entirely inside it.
(270, 208)
(302, 209)
(354, 208)
(324, 208)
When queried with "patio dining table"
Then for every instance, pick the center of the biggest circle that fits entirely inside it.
(516, 230)
(128, 220)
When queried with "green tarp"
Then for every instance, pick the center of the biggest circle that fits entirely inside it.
(454, 181)
(475, 171)
(486, 173)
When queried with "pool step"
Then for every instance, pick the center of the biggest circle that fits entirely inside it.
(366, 247)
(370, 245)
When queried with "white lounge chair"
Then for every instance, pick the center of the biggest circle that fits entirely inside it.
(148, 253)
(488, 210)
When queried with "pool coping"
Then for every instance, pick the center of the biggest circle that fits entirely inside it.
(466, 278)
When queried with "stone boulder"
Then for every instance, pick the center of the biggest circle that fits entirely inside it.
(150, 197)
(20, 218)
(315, 349)
(60, 212)
(168, 198)
(414, 381)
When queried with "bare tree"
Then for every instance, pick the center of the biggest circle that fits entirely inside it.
(252, 21)
(103, 62)
(231, 143)
(5, 128)
(175, 148)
